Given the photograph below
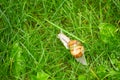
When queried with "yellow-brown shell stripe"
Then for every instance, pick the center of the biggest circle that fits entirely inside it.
(75, 48)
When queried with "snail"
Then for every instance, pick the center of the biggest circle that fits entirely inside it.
(76, 48)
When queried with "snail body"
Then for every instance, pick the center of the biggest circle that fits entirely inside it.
(76, 48)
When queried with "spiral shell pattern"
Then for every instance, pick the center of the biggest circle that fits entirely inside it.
(76, 48)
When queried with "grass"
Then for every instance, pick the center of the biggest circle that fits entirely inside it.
(30, 49)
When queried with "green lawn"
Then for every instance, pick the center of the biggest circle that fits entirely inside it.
(30, 49)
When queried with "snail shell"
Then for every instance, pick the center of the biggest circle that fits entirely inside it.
(76, 49)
